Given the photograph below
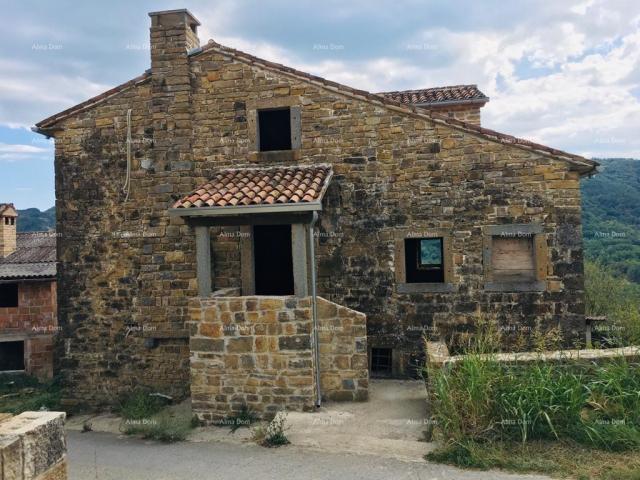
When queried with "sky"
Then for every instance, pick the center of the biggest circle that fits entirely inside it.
(562, 73)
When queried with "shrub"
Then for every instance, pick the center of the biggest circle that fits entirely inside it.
(274, 434)
(140, 404)
(164, 427)
(244, 418)
(21, 393)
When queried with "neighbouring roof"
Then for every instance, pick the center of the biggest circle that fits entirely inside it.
(450, 95)
(261, 186)
(583, 165)
(35, 257)
(8, 209)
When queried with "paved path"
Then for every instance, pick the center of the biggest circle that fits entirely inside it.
(105, 456)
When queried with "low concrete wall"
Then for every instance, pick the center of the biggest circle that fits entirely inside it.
(33, 447)
(258, 351)
(344, 365)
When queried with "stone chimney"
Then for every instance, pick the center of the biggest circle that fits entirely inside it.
(8, 224)
(173, 34)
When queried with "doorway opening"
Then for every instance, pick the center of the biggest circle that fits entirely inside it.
(273, 261)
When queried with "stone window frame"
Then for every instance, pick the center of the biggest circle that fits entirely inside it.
(540, 252)
(294, 103)
(449, 284)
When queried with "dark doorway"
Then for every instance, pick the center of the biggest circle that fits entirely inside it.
(273, 259)
(381, 361)
(11, 356)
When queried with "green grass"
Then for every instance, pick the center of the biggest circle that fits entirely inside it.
(164, 427)
(140, 404)
(560, 459)
(21, 393)
(244, 418)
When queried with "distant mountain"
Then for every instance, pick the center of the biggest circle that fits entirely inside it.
(33, 220)
(611, 216)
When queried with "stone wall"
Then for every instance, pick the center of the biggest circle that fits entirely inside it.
(344, 366)
(128, 270)
(33, 447)
(250, 351)
(464, 113)
(35, 322)
(258, 351)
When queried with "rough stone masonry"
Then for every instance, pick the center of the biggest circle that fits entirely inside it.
(128, 270)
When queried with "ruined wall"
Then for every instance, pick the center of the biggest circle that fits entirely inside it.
(34, 320)
(344, 367)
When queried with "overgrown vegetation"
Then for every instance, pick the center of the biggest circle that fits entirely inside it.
(273, 435)
(616, 298)
(484, 409)
(20, 393)
(150, 417)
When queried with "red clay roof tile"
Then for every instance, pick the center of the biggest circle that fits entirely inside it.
(260, 186)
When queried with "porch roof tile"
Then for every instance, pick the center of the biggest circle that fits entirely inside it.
(260, 186)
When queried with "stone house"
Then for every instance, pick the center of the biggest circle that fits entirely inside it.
(28, 312)
(265, 236)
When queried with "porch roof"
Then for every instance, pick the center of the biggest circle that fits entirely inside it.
(259, 190)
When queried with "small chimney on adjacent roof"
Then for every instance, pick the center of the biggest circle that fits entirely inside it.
(8, 224)
(173, 34)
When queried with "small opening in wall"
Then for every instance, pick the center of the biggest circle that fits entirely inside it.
(275, 129)
(381, 361)
(11, 356)
(424, 260)
(8, 295)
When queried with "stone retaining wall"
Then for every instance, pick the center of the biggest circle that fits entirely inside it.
(258, 351)
(33, 447)
(253, 351)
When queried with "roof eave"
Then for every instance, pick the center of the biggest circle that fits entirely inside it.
(451, 103)
(246, 209)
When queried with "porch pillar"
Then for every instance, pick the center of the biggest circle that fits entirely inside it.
(299, 253)
(203, 260)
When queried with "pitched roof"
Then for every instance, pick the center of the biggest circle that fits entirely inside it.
(454, 94)
(35, 257)
(260, 186)
(8, 209)
(583, 165)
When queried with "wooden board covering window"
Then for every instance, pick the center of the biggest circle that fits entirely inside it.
(513, 259)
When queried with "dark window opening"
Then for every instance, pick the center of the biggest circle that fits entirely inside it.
(381, 361)
(273, 260)
(275, 129)
(8, 295)
(424, 260)
(11, 356)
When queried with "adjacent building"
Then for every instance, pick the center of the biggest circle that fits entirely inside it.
(28, 312)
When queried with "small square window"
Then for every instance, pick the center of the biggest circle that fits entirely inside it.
(381, 360)
(8, 295)
(11, 356)
(424, 260)
(274, 129)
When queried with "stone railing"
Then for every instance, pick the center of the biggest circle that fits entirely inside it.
(257, 352)
(33, 446)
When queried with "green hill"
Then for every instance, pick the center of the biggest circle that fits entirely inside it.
(611, 216)
(33, 220)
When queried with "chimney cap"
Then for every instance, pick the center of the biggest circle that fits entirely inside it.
(191, 19)
(8, 210)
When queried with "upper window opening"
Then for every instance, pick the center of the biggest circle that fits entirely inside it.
(8, 295)
(424, 260)
(275, 129)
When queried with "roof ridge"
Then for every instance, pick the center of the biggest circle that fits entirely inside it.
(443, 87)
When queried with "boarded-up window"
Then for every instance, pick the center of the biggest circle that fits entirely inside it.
(513, 259)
